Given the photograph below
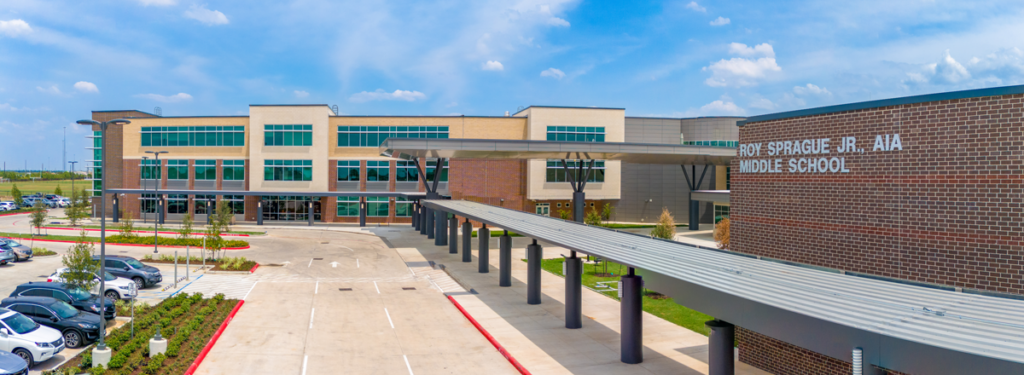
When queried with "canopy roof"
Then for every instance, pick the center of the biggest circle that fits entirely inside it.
(639, 153)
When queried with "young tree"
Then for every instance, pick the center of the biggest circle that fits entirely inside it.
(82, 270)
(85, 203)
(607, 211)
(72, 211)
(722, 234)
(223, 215)
(16, 193)
(666, 227)
(57, 191)
(592, 218)
(38, 215)
(127, 226)
(565, 214)
(186, 227)
(214, 241)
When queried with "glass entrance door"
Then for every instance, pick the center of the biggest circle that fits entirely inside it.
(290, 208)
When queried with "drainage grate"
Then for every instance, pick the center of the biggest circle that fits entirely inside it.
(318, 258)
(408, 288)
(324, 242)
(345, 289)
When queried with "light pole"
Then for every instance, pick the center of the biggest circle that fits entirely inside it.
(102, 346)
(156, 192)
(73, 179)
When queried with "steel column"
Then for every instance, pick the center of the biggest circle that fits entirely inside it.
(453, 235)
(720, 348)
(429, 228)
(424, 213)
(310, 213)
(117, 211)
(534, 254)
(259, 213)
(159, 208)
(362, 211)
(579, 205)
(484, 255)
(467, 241)
(415, 215)
(505, 260)
(440, 228)
(573, 292)
(631, 315)
(694, 214)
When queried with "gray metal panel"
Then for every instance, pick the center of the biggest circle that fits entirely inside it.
(230, 185)
(347, 186)
(721, 196)
(406, 186)
(902, 327)
(377, 186)
(177, 184)
(641, 153)
(205, 184)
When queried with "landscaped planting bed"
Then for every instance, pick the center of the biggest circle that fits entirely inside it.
(133, 240)
(187, 322)
(222, 264)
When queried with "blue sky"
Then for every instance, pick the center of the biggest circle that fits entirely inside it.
(61, 59)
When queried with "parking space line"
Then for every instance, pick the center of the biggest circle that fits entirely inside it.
(317, 290)
(311, 311)
(389, 318)
(250, 290)
(310, 263)
(304, 359)
(357, 263)
(407, 364)
(375, 287)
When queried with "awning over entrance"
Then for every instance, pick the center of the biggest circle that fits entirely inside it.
(640, 153)
(900, 327)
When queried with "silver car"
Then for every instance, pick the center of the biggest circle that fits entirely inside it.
(8, 206)
(21, 252)
(6, 255)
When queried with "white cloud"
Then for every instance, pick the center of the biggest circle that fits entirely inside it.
(493, 65)
(380, 94)
(811, 89)
(14, 28)
(720, 21)
(723, 106)
(949, 70)
(160, 3)
(762, 103)
(84, 86)
(739, 71)
(694, 6)
(301, 94)
(7, 107)
(553, 73)
(49, 90)
(545, 10)
(179, 97)
(209, 17)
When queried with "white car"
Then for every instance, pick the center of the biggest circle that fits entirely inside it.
(116, 287)
(63, 202)
(8, 206)
(27, 339)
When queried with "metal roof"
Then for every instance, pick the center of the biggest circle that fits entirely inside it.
(410, 194)
(900, 327)
(640, 153)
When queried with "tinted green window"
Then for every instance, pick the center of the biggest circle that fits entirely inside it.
(378, 170)
(348, 170)
(177, 169)
(576, 133)
(288, 135)
(206, 169)
(431, 166)
(373, 136)
(556, 172)
(348, 206)
(288, 170)
(233, 170)
(185, 136)
(377, 206)
(406, 171)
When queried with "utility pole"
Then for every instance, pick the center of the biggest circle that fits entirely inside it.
(64, 155)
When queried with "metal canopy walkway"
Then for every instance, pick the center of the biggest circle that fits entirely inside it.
(897, 326)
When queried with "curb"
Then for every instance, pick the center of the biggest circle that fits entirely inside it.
(115, 230)
(120, 244)
(501, 349)
(18, 213)
(254, 268)
(213, 340)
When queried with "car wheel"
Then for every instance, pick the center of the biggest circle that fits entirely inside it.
(72, 338)
(139, 282)
(112, 295)
(24, 354)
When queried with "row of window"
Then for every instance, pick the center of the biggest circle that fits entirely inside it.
(373, 136)
(712, 143)
(380, 170)
(178, 203)
(288, 135)
(178, 136)
(576, 133)
(288, 170)
(556, 172)
(375, 207)
(206, 170)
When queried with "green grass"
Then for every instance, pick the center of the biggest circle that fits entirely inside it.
(633, 226)
(116, 239)
(197, 229)
(45, 187)
(498, 233)
(664, 308)
(39, 252)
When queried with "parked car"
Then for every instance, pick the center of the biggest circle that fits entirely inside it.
(63, 202)
(6, 255)
(78, 298)
(27, 339)
(130, 268)
(52, 200)
(8, 206)
(116, 287)
(76, 327)
(28, 201)
(21, 252)
(12, 364)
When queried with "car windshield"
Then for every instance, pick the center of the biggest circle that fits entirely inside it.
(63, 309)
(134, 263)
(20, 324)
(79, 294)
(12, 243)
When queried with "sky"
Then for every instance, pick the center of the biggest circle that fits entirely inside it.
(60, 60)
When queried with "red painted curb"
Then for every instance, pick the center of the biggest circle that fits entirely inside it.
(254, 268)
(501, 349)
(213, 340)
(141, 231)
(19, 213)
(118, 244)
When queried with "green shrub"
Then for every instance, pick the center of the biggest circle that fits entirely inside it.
(592, 218)
(98, 370)
(168, 241)
(154, 364)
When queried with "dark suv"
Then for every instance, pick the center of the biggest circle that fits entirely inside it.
(77, 327)
(78, 298)
(131, 268)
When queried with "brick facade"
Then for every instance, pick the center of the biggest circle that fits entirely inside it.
(945, 210)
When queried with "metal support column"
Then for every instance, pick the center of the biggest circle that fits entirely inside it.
(720, 344)
(429, 228)
(467, 241)
(453, 235)
(505, 260)
(694, 184)
(485, 248)
(534, 254)
(415, 215)
(310, 213)
(423, 219)
(579, 206)
(159, 209)
(259, 213)
(440, 228)
(573, 292)
(631, 315)
(362, 211)
(117, 211)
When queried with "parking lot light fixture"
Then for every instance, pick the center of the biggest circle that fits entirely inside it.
(156, 192)
(103, 219)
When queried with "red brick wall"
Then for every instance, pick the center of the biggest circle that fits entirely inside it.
(947, 209)
(489, 181)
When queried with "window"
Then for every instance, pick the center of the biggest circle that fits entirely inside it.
(288, 170)
(544, 209)
(147, 203)
(721, 212)
(556, 173)
(373, 136)
(290, 208)
(406, 171)
(287, 135)
(203, 204)
(177, 169)
(733, 144)
(403, 208)
(378, 170)
(171, 136)
(431, 165)
(348, 170)
(96, 164)
(348, 206)
(206, 169)
(234, 170)
(576, 133)
(236, 202)
(177, 203)
(728, 178)
(377, 206)
(149, 170)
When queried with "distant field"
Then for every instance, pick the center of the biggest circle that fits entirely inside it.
(46, 187)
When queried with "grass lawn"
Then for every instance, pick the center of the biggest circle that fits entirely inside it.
(633, 226)
(45, 187)
(499, 233)
(163, 228)
(141, 239)
(664, 308)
